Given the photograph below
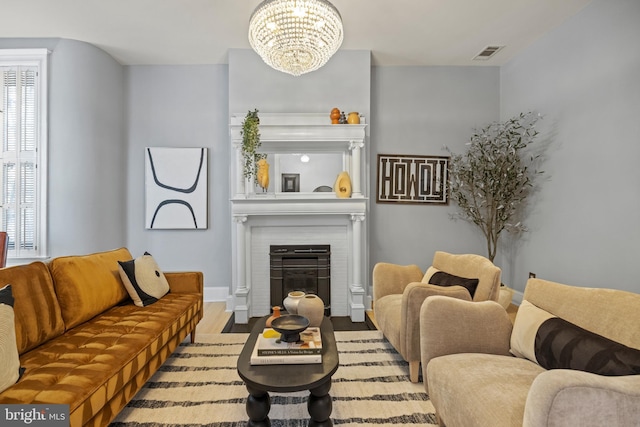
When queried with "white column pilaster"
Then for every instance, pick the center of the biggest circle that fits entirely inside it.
(242, 293)
(239, 178)
(356, 289)
(356, 187)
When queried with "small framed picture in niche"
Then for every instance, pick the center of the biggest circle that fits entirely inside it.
(290, 182)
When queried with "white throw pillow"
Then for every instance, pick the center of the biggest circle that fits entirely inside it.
(10, 366)
(430, 272)
(525, 327)
(143, 280)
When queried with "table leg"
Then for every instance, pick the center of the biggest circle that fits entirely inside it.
(320, 406)
(258, 406)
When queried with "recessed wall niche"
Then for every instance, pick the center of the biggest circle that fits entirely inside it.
(316, 170)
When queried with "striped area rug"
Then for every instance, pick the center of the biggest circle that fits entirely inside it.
(199, 386)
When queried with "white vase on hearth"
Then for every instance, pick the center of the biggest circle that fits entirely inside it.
(292, 300)
(312, 307)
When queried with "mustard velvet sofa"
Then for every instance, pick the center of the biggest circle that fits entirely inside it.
(81, 339)
(474, 380)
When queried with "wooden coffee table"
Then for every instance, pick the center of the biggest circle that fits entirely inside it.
(261, 379)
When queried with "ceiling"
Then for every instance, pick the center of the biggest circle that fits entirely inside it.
(398, 32)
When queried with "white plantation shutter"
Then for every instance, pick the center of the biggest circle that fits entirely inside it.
(23, 180)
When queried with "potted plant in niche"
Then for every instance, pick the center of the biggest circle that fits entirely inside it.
(490, 183)
(250, 145)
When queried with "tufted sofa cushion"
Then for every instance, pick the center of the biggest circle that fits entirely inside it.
(106, 357)
(37, 314)
(88, 285)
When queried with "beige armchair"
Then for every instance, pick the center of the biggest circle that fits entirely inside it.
(399, 291)
(474, 380)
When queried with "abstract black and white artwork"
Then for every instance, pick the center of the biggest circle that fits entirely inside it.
(175, 188)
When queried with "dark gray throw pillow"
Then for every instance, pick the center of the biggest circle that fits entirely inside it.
(562, 345)
(441, 278)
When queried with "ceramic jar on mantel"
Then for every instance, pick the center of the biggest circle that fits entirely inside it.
(292, 300)
(312, 307)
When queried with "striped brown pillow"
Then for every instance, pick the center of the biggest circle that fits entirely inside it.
(555, 343)
(563, 345)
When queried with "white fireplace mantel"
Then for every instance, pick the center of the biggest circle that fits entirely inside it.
(278, 218)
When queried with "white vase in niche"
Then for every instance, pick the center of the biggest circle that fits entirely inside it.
(292, 300)
(312, 307)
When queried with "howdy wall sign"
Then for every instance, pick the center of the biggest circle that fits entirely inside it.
(412, 179)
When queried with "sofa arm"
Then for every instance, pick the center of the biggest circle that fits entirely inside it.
(185, 282)
(450, 326)
(562, 397)
(388, 279)
(412, 298)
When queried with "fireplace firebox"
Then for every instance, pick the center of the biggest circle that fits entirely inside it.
(304, 268)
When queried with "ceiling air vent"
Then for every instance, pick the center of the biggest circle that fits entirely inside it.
(487, 53)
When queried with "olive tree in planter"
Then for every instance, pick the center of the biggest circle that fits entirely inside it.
(250, 144)
(490, 183)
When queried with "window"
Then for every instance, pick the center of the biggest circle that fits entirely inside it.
(23, 125)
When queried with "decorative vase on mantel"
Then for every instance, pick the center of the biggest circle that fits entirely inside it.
(335, 116)
(292, 300)
(312, 307)
(342, 186)
(353, 118)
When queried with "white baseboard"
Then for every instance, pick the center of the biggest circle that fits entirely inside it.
(517, 297)
(216, 294)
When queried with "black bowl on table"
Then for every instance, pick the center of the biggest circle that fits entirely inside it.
(290, 327)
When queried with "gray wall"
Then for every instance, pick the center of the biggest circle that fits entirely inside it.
(582, 77)
(344, 82)
(87, 161)
(180, 106)
(418, 110)
(585, 78)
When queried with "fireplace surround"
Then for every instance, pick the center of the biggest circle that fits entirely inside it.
(262, 220)
(304, 268)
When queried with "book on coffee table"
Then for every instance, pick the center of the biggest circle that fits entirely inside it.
(270, 350)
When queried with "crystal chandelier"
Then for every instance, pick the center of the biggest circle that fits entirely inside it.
(295, 36)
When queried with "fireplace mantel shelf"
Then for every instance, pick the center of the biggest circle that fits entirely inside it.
(296, 130)
(299, 206)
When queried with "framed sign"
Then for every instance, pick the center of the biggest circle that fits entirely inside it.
(412, 179)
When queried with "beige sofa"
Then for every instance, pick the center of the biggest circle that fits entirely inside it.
(83, 342)
(399, 291)
(473, 379)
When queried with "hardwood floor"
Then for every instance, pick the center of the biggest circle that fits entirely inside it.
(215, 317)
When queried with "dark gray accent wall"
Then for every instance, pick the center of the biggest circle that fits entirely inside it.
(584, 77)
